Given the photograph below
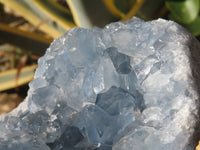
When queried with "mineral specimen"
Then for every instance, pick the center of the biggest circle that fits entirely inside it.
(129, 86)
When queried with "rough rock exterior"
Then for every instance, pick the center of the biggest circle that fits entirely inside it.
(129, 86)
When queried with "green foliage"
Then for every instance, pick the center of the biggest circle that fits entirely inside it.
(122, 5)
(194, 26)
(87, 13)
(186, 13)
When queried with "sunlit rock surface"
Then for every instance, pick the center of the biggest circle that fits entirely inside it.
(129, 86)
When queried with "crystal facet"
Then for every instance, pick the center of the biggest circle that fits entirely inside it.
(129, 86)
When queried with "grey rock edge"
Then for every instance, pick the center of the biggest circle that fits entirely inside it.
(129, 86)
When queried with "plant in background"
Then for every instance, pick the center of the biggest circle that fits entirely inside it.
(53, 19)
(185, 12)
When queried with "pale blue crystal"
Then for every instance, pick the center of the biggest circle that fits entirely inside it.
(127, 86)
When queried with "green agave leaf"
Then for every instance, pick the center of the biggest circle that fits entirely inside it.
(150, 9)
(110, 4)
(23, 39)
(55, 12)
(122, 5)
(8, 78)
(133, 10)
(183, 11)
(34, 15)
(125, 9)
(89, 13)
(194, 27)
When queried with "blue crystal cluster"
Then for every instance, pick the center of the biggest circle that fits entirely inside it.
(129, 86)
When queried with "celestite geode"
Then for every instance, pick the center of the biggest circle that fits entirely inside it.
(129, 86)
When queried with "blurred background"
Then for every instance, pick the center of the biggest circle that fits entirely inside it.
(27, 27)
